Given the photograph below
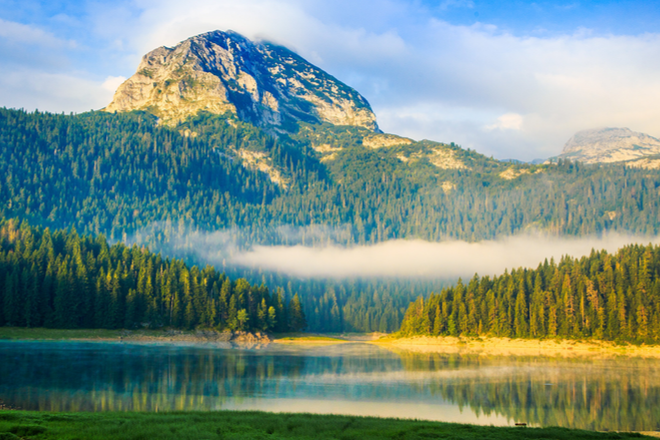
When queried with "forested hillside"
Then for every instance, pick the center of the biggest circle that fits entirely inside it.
(115, 174)
(63, 280)
(349, 305)
(602, 296)
(125, 176)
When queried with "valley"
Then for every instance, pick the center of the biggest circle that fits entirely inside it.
(145, 227)
(75, 378)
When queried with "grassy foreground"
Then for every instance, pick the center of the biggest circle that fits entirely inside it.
(140, 335)
(228, 425)
(23, 333)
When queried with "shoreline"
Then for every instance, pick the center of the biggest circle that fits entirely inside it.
(486, 346)
(181, 336)
(489, 346)
(156, 336)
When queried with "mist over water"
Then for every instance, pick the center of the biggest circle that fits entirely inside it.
(316, 252)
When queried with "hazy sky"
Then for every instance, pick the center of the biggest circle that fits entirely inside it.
(510, 81)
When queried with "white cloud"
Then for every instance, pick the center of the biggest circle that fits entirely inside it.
(36, 71)
(28, 46)
(112, 82)
(508, 121)
(397, 258)
(561, 85)
(54, 92)
(26, 34)
(418, 258)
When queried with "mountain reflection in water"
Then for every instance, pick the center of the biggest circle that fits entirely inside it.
(359, 379)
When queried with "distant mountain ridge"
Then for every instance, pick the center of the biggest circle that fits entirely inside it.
(250, 143)
(232, 167)
(260, 82)
(608, 145)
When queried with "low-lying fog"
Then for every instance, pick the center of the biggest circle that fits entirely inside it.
(397, 258)
(417, 258)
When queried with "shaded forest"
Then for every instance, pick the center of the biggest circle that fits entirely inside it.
(115, 174)
(63, 280)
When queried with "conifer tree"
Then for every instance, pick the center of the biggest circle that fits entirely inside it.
(64, 280)
(602, 296)
(296, 316)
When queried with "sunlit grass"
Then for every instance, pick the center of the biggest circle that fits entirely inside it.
(257, 425)
(56, 334)
(23, 333)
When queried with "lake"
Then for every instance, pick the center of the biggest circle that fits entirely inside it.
(358, 379)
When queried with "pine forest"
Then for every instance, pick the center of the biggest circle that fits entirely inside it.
(63, 280)
(602, 296)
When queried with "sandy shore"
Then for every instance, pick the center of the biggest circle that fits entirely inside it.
(518, 347)
(417, 344)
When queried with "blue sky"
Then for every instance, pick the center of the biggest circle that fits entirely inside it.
(556, 18)
(509, 79)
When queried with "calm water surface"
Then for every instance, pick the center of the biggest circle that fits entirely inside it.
(358, 379)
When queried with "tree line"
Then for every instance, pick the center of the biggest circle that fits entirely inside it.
(63, 280)
(115, 174)
(601, 296)
(120, 174)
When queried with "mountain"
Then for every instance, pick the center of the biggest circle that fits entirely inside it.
(210, 157)
(260, 82)
(607, 145)
(231, 166)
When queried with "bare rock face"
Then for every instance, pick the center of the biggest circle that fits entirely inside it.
(607, 145)
(262, 83)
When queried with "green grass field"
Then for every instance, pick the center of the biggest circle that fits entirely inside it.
(22, 333)
(232, 425)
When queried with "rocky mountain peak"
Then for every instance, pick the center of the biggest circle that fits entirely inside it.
(606, 145)
(260, 82)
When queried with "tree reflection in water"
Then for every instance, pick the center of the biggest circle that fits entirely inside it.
(589, 394)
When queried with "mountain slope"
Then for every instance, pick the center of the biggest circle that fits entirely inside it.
(262, 83)
(116, 174)
(607, 145)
